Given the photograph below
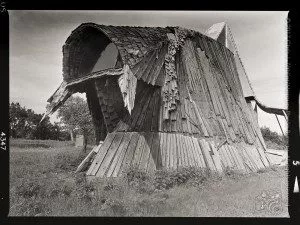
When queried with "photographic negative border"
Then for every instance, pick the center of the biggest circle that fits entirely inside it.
(293, 106)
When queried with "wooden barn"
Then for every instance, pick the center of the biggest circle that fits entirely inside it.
(163, 98)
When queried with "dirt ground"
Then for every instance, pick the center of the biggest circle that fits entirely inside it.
(43, 183)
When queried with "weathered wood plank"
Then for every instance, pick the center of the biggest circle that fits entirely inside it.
(87, 159)
(118, 151)
(148, 73)
(250, 159)
(257, 157)
(139, 69)
(164, 149)
(155, 153)
(226, 156)
(191, 151)
(195, 148)
(172, 150)
(229, 130)
(146, 151)
(247, 162)
(220, 122)
(199, 152)
(175, 152)
(187, 111)
(222, 157)
(191, 161)
(137, 110)
(138, 152)
(124, 148)
(145, 124)
(203, 64)
(168, 149)
(235, 157)
(155, 114)
(216, 157)
(129, 153)
(159, 64)
(200, 120)
(101, 154)
(143, 112)
(239, 158)
(230, 157)
(184, 162)
(207, 157)
(179, 151)
(110, 154)
(263, 157)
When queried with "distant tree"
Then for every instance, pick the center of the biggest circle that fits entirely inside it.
(25, 123)
(76, 116)
(44, 130)
(20, 120)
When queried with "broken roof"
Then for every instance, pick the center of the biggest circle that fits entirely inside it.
(133, 44)
(143, 49)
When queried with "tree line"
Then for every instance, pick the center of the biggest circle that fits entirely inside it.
(25, 123)
(74, 119)
(273, 136)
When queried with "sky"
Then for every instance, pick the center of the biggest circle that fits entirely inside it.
(37, 37)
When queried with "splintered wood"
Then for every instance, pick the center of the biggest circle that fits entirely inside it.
(127, 84)
(170, 93)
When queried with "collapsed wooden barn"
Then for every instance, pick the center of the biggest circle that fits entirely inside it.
(163, 98)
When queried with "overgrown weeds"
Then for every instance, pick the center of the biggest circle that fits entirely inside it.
(43, 183)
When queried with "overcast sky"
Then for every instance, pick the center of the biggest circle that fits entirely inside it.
(37, 37)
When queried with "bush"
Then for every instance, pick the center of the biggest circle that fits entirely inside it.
(274, 137)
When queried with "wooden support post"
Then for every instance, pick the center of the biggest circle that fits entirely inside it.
(279, 124)
(285, 116)
(255, 111)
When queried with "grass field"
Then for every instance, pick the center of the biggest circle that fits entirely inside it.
(43, 183)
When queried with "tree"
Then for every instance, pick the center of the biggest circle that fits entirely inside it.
(75, 114)
(273, 136)
(25, 123)
(17, 120)
(22, 121)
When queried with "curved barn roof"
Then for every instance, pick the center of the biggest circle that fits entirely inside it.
(133, 43)
(136, 45)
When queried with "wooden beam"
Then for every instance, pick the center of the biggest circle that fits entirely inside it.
(266, 109)
(279, 125)
(285, 116)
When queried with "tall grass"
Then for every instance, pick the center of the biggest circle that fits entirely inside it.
(25, 143)
(43, 183)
